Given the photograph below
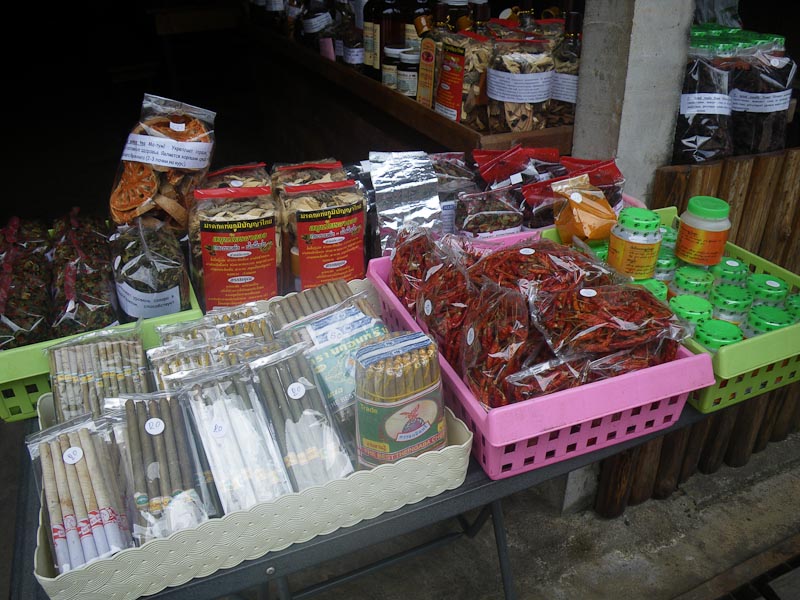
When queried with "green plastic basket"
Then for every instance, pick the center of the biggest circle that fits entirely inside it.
(25, 371)
(751, 367)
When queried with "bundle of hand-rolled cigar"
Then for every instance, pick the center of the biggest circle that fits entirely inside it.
(86, 369)
(312, 300)
(79, 479)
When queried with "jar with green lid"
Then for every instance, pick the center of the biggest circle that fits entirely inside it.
(391, 58)
(599, 248)
(407, 74)
(763, 319)
(731, 303)
(691, 310)
(634, 242)
(730, 271)
(792, 306)
(691, 280)
(703, 231)
(713, 334)
(767, 289)
(666, 263)
(655, 287)
(668, 237)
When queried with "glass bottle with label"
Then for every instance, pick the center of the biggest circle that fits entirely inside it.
(415, 9)
(274, 14)
(353, 47)
(371, 9)
(345, 20)
(294, 12)
(460, 18)
(392, 29)
(431, 52)
(407, 73)
(481, 13)
(566, 58)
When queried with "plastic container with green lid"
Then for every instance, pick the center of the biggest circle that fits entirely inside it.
(713, 334)
(655, 287)
(767, 289)
(703, 231)
(731, 303)
(691, 310)
(730, 271)
(691, 280)
(666, 263)
(668, 237)
(792, 306)
(764, 318)
(634, 242)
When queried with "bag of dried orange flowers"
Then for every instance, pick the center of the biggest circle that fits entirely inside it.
(166, 156)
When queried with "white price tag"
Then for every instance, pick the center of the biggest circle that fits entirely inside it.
(470, 336)
(773, 284)
(154, 426)
(588, 293)
(527, 251)
(73, 455)
(296, 390)
(218, 429)
(428, 306)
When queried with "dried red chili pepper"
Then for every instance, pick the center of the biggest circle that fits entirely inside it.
(601, 319)
(494, 342)
(545, 378)
(414, 253)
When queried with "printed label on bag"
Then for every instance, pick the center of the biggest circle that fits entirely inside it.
(167, 153)
(518, 87)
(330, 244)
(760, 103)
(448, 216)
(700, 247)
(411, 37)
(451, 79)
(565, 88)
(148, 305)
(631, 258)
(427, 72)
(705, 104)
(239, 261)
(407, 83)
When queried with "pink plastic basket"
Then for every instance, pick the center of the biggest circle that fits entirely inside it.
(535, 433)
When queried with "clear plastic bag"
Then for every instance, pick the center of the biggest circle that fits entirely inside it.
(546, 378)
(24, 303)
(491, 213)
(167, 489)
(310, 301)
(461, 89)
(306, 434)
(399, 404)
(166, 156)
(229, 420)
(324, 170)
(149, 272)
(521, 165)
(414, 254)
(585, 212)
(85, 516)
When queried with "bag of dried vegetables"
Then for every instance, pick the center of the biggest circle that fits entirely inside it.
(520, 165)
(25, 303)
(233, 237)
(490, 213)
(149, 272)
(518, 85)
(166, 156)
(318, 171)
(461, 91)
(325, 232)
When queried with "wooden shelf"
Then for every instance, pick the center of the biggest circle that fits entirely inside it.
(431, 124)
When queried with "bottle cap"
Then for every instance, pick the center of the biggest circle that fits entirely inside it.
(731, 297)
(666, 261)
(668, 234)
(410, 58)
(730, 269)
(655, 287)
(693, 279)
(792, 306)
(639, 219)
(394, 52)
(767, 287)
(708, 207)
(691, 308)
(714, 333)
(764, 318)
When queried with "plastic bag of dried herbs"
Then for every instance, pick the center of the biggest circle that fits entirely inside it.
(518, 85)
(490, 213)
(760, 96)
(24, 304)
(84, 298)
(149, 272)
(703, 129)
(461, 91)
(318, 171)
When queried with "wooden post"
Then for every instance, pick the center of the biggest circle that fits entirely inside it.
(733, 186)
(768, 422)
(697, 439)
(669, 468)
(719, 433)
(785, 419)
(669, 186)
(614, 488)
(703, 181)
(764, 181)
(644, 475)
(745, 431)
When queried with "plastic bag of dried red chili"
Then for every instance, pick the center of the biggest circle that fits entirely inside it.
(545, 378)
(494, 343)
(414, 253)
(601, 319)
(645, 355)
(443, 299)
(548, 264)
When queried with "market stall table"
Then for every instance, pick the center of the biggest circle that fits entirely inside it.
(477, 492)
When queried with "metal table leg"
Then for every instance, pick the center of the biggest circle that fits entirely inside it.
(284, 593)
(502, 550)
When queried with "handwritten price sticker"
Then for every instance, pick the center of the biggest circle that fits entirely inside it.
(296, 390)
(218, 429)
(73, 455)
(470, 336)
(154, 426)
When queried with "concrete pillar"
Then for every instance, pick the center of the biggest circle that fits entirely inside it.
(573, 492)
(632, 65)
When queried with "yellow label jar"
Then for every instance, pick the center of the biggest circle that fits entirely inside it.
(703, 231)
(634, 243)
